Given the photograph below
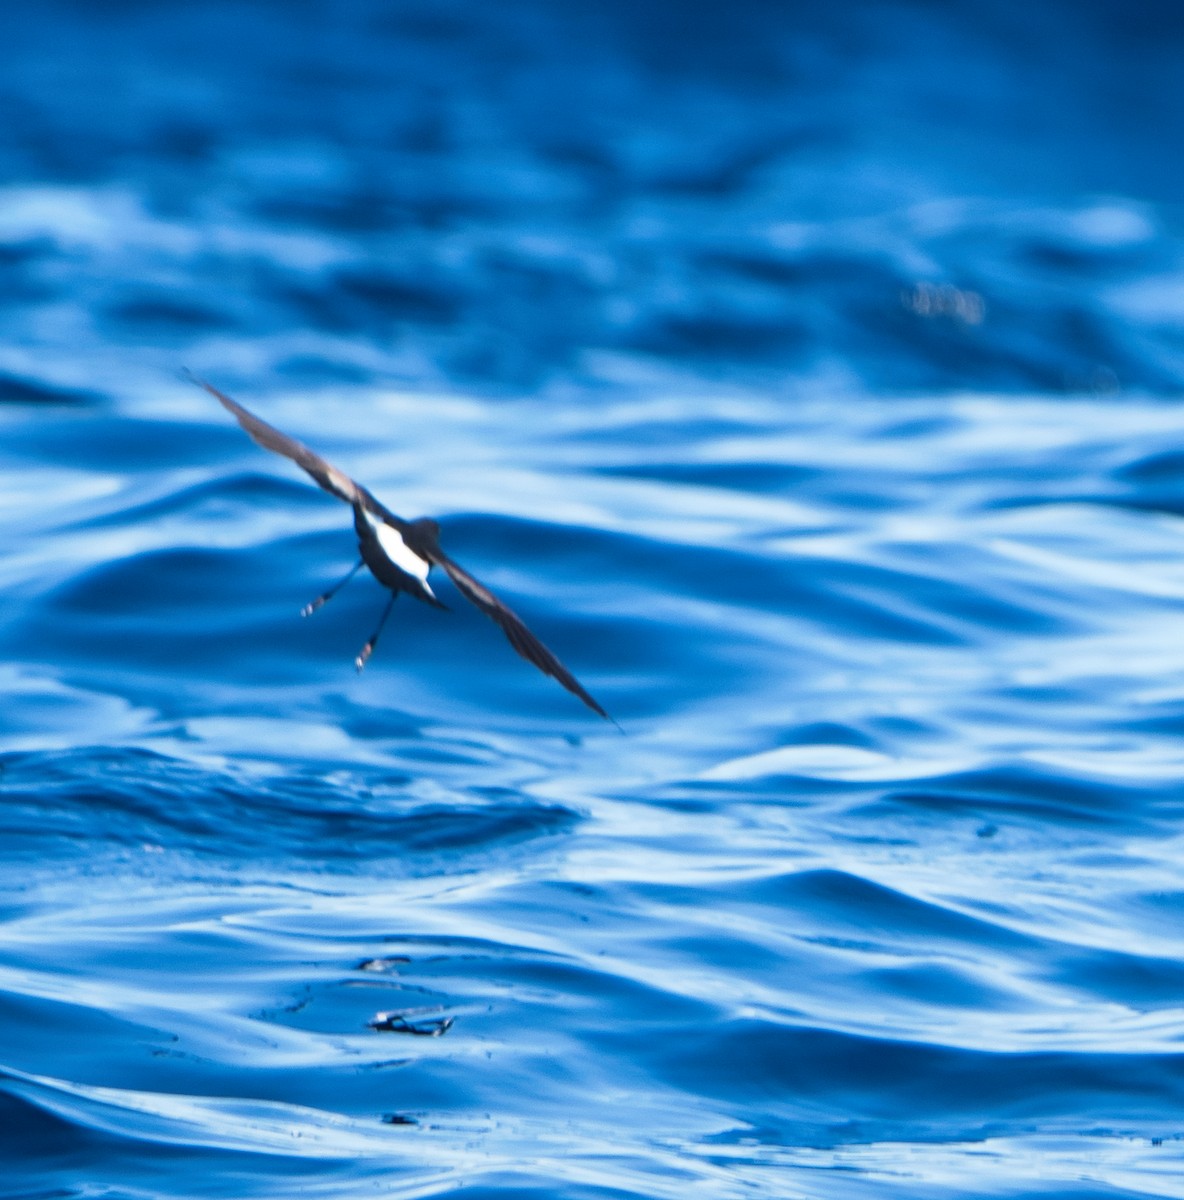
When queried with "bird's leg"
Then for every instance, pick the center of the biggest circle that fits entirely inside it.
(325, 597)
(368, 648)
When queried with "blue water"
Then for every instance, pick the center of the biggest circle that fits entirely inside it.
(811, 383)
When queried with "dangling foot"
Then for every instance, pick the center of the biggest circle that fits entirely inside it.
(325, 597)
(368, 649)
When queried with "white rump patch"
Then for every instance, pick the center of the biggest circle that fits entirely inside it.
(393, 546)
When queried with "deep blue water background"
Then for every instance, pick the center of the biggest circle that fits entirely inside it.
(811, 382)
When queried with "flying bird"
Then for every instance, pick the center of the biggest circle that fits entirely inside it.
(400, 554)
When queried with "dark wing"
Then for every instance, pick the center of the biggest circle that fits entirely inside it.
(327, 475)
(513, 627)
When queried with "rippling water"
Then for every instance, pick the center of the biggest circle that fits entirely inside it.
(811, 385)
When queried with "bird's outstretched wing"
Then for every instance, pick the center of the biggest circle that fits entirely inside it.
(523, 641)
(423, 535)
(327, 475)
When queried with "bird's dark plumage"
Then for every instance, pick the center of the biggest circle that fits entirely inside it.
(400, 553)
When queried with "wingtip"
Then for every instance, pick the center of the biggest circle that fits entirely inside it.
(596, 708)
(207, 386)
(192, 377)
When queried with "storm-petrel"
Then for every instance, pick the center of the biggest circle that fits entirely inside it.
(399, 553)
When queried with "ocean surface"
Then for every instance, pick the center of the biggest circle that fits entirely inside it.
(811, 383)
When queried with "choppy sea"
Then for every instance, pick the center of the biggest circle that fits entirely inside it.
(811, 383)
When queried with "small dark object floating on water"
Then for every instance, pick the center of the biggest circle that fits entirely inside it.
(396, 1022)
(400, 553)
